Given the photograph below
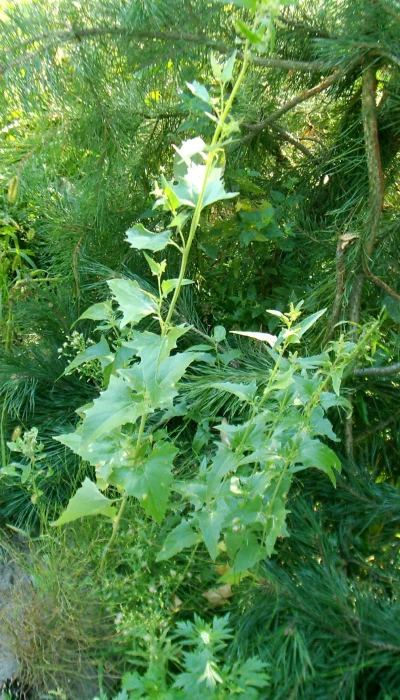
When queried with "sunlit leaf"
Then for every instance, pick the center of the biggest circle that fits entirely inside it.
(264, 337)
(140, 238)
(134, 303)
(88, 500)
(179, 538)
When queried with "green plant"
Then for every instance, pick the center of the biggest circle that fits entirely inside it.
(236, 502)
(32, 450)
(203, 671)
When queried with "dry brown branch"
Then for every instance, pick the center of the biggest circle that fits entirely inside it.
(380, 283)
(376, 428)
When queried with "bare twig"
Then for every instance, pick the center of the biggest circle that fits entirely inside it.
(291, 139)
(288, 106)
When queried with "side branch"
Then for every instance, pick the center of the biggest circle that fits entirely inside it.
(306, 95)
(285, 136)
(51, 40)
(377, 371)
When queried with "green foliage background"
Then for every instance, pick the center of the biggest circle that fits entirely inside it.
(93, 97)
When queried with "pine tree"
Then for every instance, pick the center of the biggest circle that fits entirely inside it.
(93, 95)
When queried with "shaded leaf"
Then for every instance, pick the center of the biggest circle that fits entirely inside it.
(150, 481)
(181, 537)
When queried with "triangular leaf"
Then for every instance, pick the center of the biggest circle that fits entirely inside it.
(88, 500)
(245, 392)
(98, 312)
(115, 406)
(140, 238)
(134, 303)
(314, 453)
(181, 537)
(150, 481)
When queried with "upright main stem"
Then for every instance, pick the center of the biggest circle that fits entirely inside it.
(125, 497)
(199, 205)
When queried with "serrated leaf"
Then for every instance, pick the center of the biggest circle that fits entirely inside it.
(141, 238)
(181, 537)
(156, 268)
(150, 481)
(88, 500)
(134, 303)
(104, 453)
(245, 392)
(188, 149)
(93, 352)
(115, 406)
(329, 399)
(336, 376)
(264, 337)
(210, 523)
(160, 372)
(190, 186)
(224, 462)
(276, 513)
(98, 312)
(247, 556)
(320, 425)
(248, 33)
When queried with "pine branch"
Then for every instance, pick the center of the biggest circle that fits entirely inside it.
(380, 283)
(291, 104)
(51, 40)
(285, 136)
(377, 371)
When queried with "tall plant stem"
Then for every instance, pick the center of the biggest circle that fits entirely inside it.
(124, 501)
(199, 205)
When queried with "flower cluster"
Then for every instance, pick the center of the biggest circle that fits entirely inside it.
(74, 345)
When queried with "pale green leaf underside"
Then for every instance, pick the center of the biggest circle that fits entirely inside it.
(88, 500)
(142, 239)
(134, 303)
